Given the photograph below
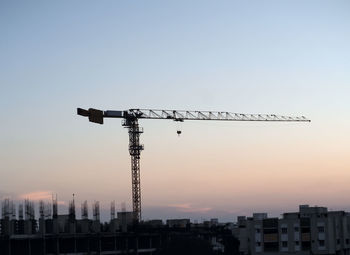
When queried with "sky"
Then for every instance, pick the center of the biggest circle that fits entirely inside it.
(282, 57)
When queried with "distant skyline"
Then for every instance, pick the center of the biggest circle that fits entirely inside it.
(282, 57)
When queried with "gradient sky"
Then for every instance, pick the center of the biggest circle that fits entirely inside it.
(282, 57)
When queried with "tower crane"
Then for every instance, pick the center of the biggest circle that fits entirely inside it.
(130, 121)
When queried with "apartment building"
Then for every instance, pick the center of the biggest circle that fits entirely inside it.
(312, 230)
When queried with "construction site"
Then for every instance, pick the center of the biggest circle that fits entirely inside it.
(126, 232)
(175, 127)
(21, 232)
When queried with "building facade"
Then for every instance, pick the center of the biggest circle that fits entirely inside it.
(312, 230)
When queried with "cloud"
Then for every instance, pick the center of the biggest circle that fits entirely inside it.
(37, 195)
(40, 195)
(187, 207)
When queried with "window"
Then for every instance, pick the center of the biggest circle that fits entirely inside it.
(258, 244)
(305, 230)
(297, 243)
(271, 231)
(347, 240)
(284, 230)
(320, 229)
(284, 244)
(305, 246)
(296, 229)
(321, 242)
(338, 241)
(257, 230)
(271, 247)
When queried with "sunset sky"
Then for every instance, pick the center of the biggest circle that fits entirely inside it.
(283, 57)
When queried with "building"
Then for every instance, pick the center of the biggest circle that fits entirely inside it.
(178, 223)
(312, 230)
(52, 233)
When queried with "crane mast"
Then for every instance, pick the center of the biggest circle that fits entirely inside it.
(135, 149)
(130, 121)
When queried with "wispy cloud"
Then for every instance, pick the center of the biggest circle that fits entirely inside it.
(37, 195)
(188, 207)
(40, 195)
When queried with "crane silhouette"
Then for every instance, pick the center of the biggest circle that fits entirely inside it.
(130, 120)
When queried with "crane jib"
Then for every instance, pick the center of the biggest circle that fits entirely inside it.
(192, 115)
